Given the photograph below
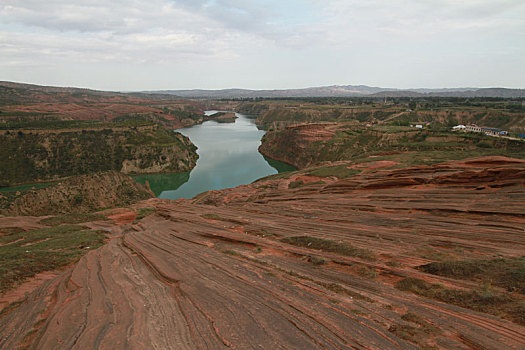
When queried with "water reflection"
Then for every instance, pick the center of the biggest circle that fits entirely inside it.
(279, 166)
(160, 182)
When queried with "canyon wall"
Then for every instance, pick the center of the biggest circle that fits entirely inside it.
(304, 145)
(36, 155)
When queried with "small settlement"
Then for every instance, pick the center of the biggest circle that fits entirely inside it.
(481, 129)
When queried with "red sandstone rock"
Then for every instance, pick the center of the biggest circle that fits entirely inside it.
(217, 275)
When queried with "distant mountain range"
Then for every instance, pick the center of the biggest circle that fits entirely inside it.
(322, 91)
(345, 91)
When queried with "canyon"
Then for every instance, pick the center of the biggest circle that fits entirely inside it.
(385, 236)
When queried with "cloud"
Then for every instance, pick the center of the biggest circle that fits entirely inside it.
(261, 37)
(410, 18)
(129, 16)
(151, 31)
(81, 16)
(154, 30)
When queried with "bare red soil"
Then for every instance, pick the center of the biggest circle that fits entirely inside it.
(214, 273)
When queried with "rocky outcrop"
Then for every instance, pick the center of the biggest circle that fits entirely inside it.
(268, 266)
(82, 194)
(164, 159)
(493, 172)
(293, 145)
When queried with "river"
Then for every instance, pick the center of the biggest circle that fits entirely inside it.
(228, 157)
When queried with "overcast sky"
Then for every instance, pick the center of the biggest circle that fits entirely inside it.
(263, 44)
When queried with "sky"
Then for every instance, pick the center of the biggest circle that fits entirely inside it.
(135, 45)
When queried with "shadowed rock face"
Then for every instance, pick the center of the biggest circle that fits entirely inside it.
(293, 144)
(82, 194)
(34, 155)
(219, 275)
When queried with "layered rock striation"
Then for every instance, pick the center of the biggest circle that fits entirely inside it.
(325, 265)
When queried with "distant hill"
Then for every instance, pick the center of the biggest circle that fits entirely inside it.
(321, 91)
(324, 91)
(20, 92)
(27, 103)
(344, 91)
(51, 89)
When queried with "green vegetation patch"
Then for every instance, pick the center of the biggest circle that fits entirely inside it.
(9, 194)
(52, 123)
(367, 272)
(419, 334)
(296, 184)
(6, 231)
(483, 300)
(28, 187)
(300, 183)
(315, 260)
(24, 254)
(72, 219)
(404, 145)
(327, 245)
(36, 156)
(508, 273)
(339, 171)
(416, 335)
(143, 212)
(232, 252)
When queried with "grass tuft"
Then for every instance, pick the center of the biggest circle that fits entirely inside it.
(339, 171)
(143, 212)
(508, 273)
(327, 245)
(483, 300)
(316, 260)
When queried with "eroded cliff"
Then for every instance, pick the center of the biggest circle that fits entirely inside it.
(303, 145)
(35, 155)
(81, 194)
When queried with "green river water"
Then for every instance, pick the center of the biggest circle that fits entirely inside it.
(228, 157)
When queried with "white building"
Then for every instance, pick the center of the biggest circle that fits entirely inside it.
(486, 131)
